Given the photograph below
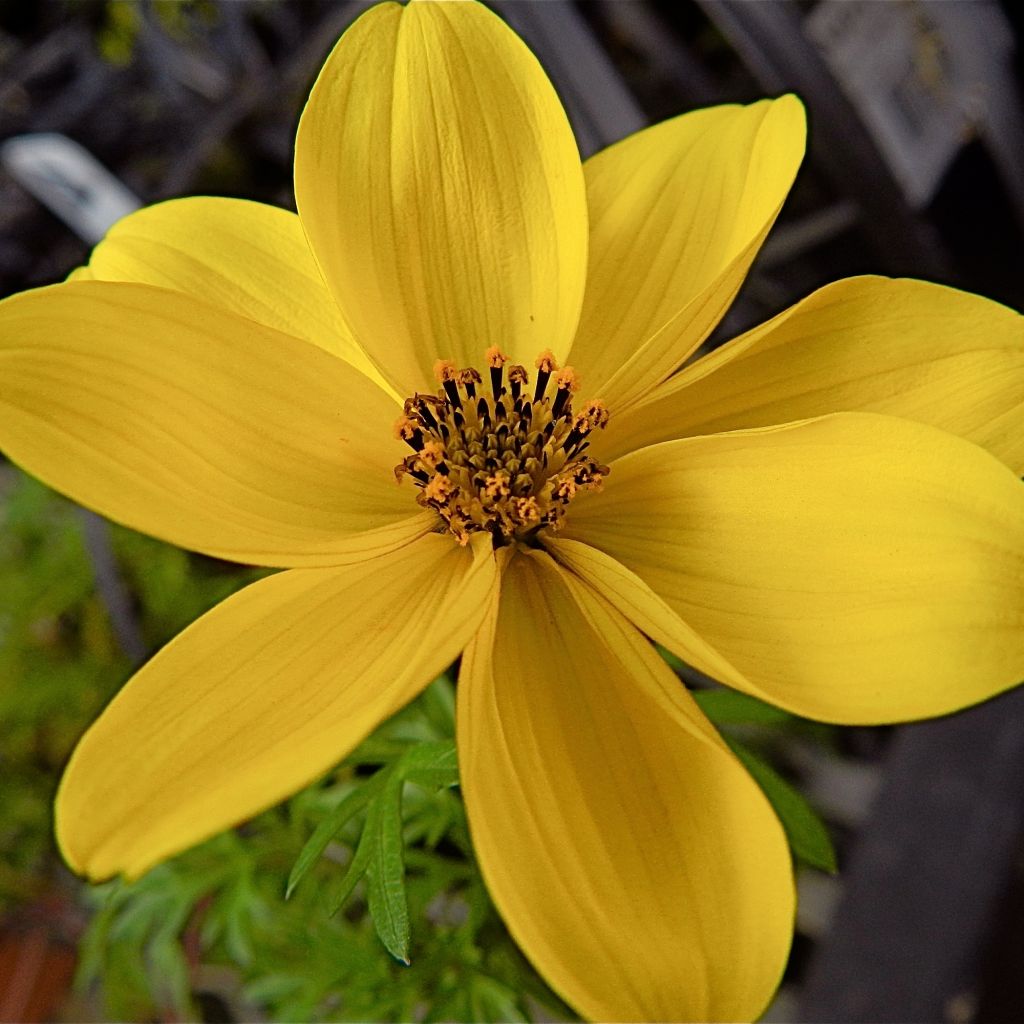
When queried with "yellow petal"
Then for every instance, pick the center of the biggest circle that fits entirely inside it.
(440, 187)
(677, 214)
(199, 427)
(907, 348)
(625, 591)
(855, 568)
(633, 859)
(262, 695)
(248, 258)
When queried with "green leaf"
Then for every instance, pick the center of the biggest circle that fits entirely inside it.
(807, 835)
(431, 765)
(438, 704)
(380, 852)
(730, 707)
(386, 871)
(492, 1001)
(356, 869)
(676, 664)
(353, 803)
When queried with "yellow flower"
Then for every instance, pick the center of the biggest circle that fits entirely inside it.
(825, 513)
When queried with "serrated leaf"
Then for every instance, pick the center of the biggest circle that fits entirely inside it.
(389, 906)
(350, 806)
(730, 707)
(806, 832)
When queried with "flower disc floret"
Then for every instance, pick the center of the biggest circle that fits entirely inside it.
(503, 458)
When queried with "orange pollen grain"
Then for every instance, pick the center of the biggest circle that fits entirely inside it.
(495, 357)
(566, 378)
(444, 369)
(546, 361)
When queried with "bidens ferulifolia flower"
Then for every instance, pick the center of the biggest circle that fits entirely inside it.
(825, 513)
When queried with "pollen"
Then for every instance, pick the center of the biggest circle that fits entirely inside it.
(498, 457)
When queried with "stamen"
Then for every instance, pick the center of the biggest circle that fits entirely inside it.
(566, 490)
(527, 511)
(439, 489)
(419, 405)
(408, 430)
(517, 377)
(593, 415)
(567, 385)
(469, 378)
(546, 362)
(546, 365)
(500, 463)
(496, 486)
(444, 369)
(432, 454)
(445, 372)
(496, 359)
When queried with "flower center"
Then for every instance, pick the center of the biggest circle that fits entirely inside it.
(507, 459)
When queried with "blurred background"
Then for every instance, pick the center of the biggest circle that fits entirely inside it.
(915, 168)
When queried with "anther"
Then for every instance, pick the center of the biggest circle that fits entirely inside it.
(432, 454)
(469, 378)
(567, 385)
(408, 430)
(496, 359)
(565, 490)
(526, 510)
(517, 377)
(496, 486)
(546, 365)
(444, 369)
(420, 406)
(447, 374)
(569, 445)
(592, 416)
(439, 489)
(408, 466)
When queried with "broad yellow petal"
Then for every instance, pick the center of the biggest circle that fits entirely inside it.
(677, 214)
(440, 187)
(262, 695)
(199, 427)
(248, 258)
(625, 591)
(906, 348)
(633, 859)
(856, 568)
